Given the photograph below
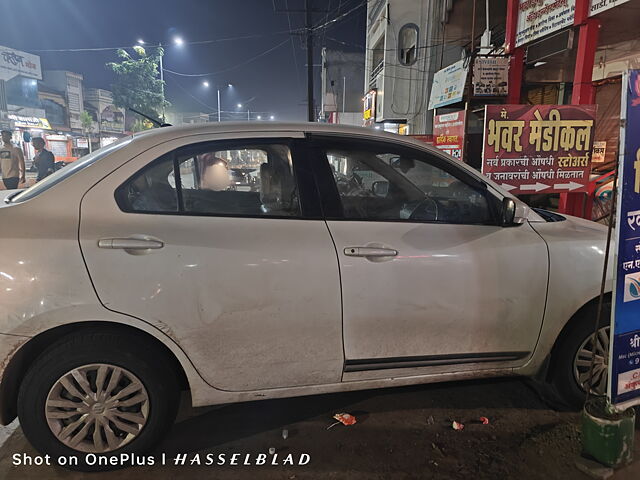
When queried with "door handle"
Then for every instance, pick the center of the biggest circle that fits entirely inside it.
(130, 243)
(369, 252)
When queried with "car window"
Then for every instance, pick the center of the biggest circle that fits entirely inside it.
(391, 184)
(217, 180)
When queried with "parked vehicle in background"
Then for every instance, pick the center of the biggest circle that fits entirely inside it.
(354, 260)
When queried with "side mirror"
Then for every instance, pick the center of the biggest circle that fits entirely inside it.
(508, 213)
(380, 188)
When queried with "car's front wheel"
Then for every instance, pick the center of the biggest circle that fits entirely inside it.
(574, 353)
(97, 395)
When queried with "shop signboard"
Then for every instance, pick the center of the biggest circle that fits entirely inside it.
(490, 76)
(538, 18)
(448, 85)
(624, 359)
(112, 119)
(448, 133)
(16, 63)
(599, 152)
(370, 105)
(29, 122)
(599, 6)
(539, 148)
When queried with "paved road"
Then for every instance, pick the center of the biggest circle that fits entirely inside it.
(401, 433)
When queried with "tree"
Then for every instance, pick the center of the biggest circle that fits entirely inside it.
(86, 120)
(137, 84)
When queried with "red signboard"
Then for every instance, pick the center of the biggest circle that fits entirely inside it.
(539, 148)
(448, 133)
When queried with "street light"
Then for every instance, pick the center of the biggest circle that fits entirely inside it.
(178, 41)
(239, 105)
(272, 117)
(259, 117)
(205, 84)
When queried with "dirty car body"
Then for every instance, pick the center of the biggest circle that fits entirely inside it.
(364, 260)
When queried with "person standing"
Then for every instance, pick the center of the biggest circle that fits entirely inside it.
(44, 159)
(11, 162)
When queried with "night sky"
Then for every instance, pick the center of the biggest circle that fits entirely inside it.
(270, 84)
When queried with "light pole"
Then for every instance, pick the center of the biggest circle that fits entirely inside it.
(206, 84)
(178, 41)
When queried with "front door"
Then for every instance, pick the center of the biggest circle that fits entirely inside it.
(216, 243)
(429, 278)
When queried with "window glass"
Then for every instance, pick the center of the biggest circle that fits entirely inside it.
(408, 44)
(252, 181)
(386, 185)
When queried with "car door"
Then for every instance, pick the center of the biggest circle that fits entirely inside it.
(429, 278)
(243, 277)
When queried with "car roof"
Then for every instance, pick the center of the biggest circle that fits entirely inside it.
(270, 127)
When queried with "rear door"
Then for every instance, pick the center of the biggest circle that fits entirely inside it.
(429, 278)
(243, 276)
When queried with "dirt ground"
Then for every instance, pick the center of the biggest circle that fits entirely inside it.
(400, 433)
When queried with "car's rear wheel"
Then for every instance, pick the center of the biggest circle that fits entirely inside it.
(575, 352)
(98, 395)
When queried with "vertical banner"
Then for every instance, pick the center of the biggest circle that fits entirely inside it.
(448, 133)
(624, 361)
(539, 148)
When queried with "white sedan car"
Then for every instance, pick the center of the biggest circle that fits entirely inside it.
(351, 260)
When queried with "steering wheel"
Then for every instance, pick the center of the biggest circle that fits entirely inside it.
(426, 206)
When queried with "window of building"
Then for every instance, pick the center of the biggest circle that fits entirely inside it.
(22, 91)
(251, 181)
(408, 44)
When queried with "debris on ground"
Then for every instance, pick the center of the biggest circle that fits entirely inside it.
(484, 420)
(343, 418)
(430, 420)
(457, 426)
(285, 433)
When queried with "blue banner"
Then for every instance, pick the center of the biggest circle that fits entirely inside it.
(625, 357)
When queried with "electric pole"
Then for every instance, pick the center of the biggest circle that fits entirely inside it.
(309, 33)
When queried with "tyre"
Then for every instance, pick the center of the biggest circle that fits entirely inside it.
(574, 352)
(98, 395)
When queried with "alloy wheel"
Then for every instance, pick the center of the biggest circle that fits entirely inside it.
(582, 362)
(97, 408)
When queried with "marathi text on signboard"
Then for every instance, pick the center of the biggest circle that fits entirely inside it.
(448, 85)
(537, 18)
(448, 133)
(21, 63)
(490, 76)
(539, 148)
(624, 362)
(598, 6)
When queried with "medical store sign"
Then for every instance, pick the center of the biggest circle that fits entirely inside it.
(540, 148)
(624, 361)
(20, 63)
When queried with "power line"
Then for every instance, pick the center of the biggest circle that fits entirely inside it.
(238, 65)
(199, 42)
(337, 19)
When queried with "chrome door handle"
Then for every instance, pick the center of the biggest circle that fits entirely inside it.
(130, 243)
(369, 252)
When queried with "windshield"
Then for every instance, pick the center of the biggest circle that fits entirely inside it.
(67, 171)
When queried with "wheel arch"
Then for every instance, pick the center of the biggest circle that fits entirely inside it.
(580, 313)
(29, 351)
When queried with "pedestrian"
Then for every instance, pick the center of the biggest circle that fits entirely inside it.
(44, 159)
(11, 162)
